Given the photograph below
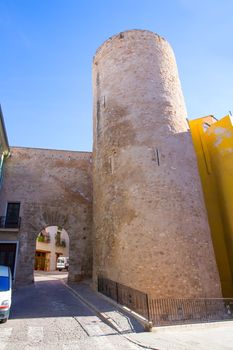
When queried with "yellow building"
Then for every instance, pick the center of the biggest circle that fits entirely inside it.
(213, 142)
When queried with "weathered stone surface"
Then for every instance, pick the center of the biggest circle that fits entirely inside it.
(150, 224)
(54, 188)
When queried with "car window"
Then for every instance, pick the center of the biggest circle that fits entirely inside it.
(4, 284)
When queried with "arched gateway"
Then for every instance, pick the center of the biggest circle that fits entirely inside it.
(51, 188)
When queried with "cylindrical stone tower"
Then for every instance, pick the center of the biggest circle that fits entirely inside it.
(150, 224)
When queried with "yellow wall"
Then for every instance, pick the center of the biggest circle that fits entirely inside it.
(214, 148)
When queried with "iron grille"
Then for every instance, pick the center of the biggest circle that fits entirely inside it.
(161, 312)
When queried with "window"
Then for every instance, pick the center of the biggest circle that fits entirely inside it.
(12, 215)
(205, 126)
(4, 283)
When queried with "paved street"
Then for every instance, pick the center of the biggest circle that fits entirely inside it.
(48, 316)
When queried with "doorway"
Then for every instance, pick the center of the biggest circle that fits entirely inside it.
(52, 243)
(41, 261)
(8, 255)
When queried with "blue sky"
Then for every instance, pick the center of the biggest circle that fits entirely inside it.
(46, 57)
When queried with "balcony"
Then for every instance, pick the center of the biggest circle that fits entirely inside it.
(10, 225)
(43, 237)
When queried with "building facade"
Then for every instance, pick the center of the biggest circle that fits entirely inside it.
(213, 142)
(46, 188)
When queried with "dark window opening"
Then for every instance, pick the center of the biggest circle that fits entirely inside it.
(8, 255)
(12, 215)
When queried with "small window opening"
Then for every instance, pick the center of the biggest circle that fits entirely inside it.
(205, 126)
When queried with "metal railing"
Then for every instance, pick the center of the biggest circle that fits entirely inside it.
(43, 239)
(132, 298)
(6, 223)
(181, 311)
(161, 312)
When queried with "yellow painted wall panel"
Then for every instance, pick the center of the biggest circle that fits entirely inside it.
(213, 143)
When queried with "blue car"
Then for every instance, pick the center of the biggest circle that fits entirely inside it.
(5, 292)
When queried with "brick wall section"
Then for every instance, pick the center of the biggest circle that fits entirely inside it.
(54, 188)
(150, 224)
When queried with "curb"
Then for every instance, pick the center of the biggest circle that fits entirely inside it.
(147, 325)
(101, 315)
(110, 322)
(193, 326)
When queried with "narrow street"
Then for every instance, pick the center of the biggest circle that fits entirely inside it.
(48, 316)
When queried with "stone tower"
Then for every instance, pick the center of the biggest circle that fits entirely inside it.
(150, 225)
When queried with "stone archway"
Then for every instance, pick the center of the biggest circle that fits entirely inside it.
(38, 216)
(53, 187)
(52, 243)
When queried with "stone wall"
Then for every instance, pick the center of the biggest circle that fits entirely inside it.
(55, 189)
(150, 225)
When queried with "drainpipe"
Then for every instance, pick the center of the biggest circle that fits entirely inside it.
(4, 156)
(1, 167)
(5, 149)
